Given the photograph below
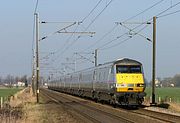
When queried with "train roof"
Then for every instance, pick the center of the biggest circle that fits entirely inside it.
(127, 61)
(123, 61)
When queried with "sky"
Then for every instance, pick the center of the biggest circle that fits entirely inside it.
(111, 39)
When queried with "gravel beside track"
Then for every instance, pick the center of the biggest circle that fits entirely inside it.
(89, 111)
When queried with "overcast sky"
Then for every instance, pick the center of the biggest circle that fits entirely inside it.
(112, 41)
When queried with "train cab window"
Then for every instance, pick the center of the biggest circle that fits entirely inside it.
(128, 69)
(135, 69)
(122, 69)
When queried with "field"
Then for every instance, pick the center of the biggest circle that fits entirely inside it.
(5, 92)
(166, 94)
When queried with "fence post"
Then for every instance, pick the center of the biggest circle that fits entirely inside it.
(159, 99)
(170, 100)
(1, 102)
(150, 98)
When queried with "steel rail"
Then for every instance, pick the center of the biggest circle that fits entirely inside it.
(159, 115)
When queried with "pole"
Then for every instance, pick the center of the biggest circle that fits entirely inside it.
(154, 62)
(33, 75)
(75, 63)
(95, 58)
(37, 56)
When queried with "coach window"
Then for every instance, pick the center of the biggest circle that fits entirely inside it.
(99, 76)
(104, 75)
(94, 75)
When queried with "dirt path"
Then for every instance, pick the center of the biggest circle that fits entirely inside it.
(44, 112)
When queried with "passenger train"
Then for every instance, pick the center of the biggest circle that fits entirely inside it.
(120, 82)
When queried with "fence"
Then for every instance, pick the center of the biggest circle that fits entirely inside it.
(9, 114)
(160, 99)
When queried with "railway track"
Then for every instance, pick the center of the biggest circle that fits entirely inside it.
(96, 113)
(89, 113)
(159, 115)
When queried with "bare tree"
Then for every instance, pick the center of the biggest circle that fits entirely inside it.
(9, 79)
(176, 80)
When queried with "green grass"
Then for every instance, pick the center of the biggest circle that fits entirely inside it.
(165, 93)
(5, 92)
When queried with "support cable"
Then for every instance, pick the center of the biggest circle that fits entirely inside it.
(135, 33)
(117, 44)
(58, 31)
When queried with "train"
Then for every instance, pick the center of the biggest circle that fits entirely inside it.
(120, 82)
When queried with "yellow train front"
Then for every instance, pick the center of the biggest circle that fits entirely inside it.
(130, 83)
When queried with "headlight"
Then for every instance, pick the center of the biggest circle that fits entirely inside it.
(140, 85)
(121, 85)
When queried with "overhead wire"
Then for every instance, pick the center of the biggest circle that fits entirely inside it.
(141, 24)
(88, 25)
(94, 19)
(172, 6)
(65, 51)
(58, 31)
(136, 32)
(147, 21)
(76, 28)
(116, 26)
(130, 18)
(54, 22)
(169, 14)
(111, 41)
(158, 15)
(117, 44)
(98, 14)
(51, 55)
(101, 39)
(91, 11)
(118, 37)
(85, 58)
(62, 48)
